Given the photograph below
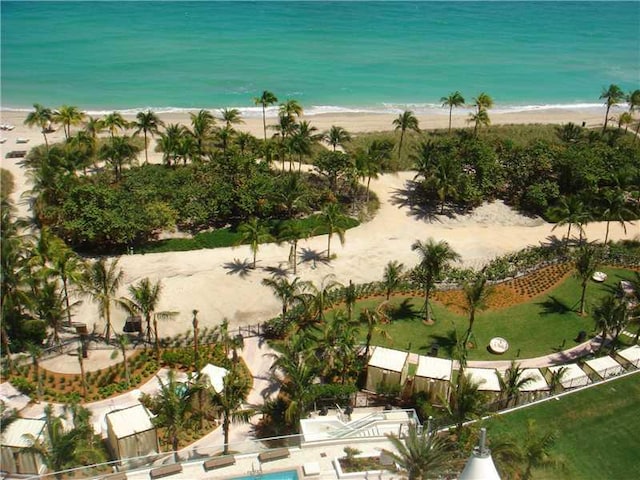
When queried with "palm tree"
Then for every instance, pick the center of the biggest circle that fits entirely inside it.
(202, 124)
(170, 143)
(266, 99)
(291, 108)
(114, 122)
(467, 401)
(555, 381)
(434, 259)
(373, 319)
(123, 342)
(392, 277)
(481, 117)
(294, 374)
(570, 211)
(254, 233)
(101, 282)
(483, 102)
(119, 152)
(476, 295)
(302, 140)
(172, 407)
(454, 99)
(319, 298)
(229, 402)
(143, 301)
(68, 266)
(93, 126)
(336, 136)
(288, 292)
(35, 352)
(147, 123)
(293, 232)
(614, 209)
(612, 96)
(586, 260)
(423, 455)
(370, 160)
(511, 382)
(610, 317)
(626, 119)
(231, 116)
(334, 220)
(66, 116)
(633, 99)
(405, 121)
(41, 117)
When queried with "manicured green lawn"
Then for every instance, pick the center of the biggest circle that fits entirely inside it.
(598, 430)
(539, 327)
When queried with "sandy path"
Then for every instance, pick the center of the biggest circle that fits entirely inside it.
(199, 279)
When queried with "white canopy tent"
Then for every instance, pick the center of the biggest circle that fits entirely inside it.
(15, 440)
(604, 367)
(629, 356)
(131, 432)
(387, 366)
(433, 375)
(537, 382)
(215, 376)
(573, 375)
(486, 378)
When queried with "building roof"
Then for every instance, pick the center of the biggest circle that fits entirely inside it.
(215, 376)
(486, 378)
(573, 375)
(631, 354)
(537, 382)
(605, 366)
(129, 421)
(14, 434)
(388, 359)
(434, 367)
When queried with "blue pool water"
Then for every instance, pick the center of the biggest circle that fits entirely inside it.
(287, 475)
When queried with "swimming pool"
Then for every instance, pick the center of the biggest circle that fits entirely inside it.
(286, 475)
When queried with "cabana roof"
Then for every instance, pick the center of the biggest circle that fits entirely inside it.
(486, 378)
(604, 365)
(537, 382)
(215, 375)
(631, 354)
(573, 376)
(129, 421)
(388, 359)
(14, 435)
(433, 367)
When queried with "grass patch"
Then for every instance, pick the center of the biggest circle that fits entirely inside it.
(541, 326)
(597, 429)
(229, 237)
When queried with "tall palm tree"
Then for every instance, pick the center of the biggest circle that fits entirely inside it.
(423, 455)
(231, 116)
(40, 117)
(288, 292)
(118, 152)
(633, 99)
(293, 232)
(170, 143)
(467, 401)
(434, 259)
(291, 108)
(143, 300)
(570, 211)
(229, 402)
(476, 295)
(373, 319)
(149, 124)
(265, 100)
(123, 342)
(612, 96)
(68, 266)
(113, 122)
(293, 372)
(511, 382)
(611, 317)
(68, 115)
(585, 262)
(319, 297)
(336, 136)
(483, 102)
(370, 160)
(254, 233)
(454, 99)
(173, 407)
(302, 140)
(202, 124)
(405, 121)
(392, 276)
(614, 209)
(481, 117)
(334, 220)
(101, 283)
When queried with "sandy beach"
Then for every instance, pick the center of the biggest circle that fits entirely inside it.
(203, 279)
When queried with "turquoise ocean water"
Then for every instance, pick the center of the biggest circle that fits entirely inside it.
(330, 56)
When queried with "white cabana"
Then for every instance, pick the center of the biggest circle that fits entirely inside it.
(604, 367)
(572, 377)
(131, 433)
(433, 376)
(537, 382)
(387, 367)
(16, 438)
(629, 356)
(486, 378)
(215, 376)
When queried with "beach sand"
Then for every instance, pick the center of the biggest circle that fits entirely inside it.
(205, 279)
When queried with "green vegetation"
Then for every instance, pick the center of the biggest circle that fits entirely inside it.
(553, 317)
(597, 429)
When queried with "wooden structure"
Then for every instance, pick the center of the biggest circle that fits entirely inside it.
(386, 368)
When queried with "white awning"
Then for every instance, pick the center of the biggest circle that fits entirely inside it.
(14, 434)
(573, 375)
(434, 367)
(537, 381)
(486, 378)
(129, 421)
(631, 354)
(215, 376)
(388, 359)
(605, 366)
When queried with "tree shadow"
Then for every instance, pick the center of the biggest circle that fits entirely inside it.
(405, 311)
(446, 342)
(278, 272)
(421, 206)
(552, 305)
(242, 268)
(307, 255)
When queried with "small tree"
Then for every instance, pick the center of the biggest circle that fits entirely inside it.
(586, 259)
(254, 234)
(392, 277)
